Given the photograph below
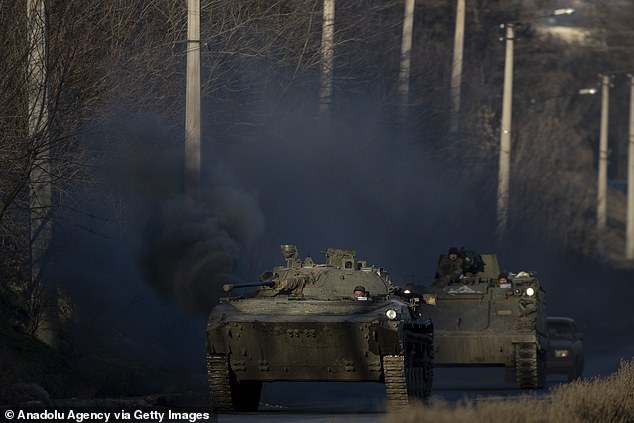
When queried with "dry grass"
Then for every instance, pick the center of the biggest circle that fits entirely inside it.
(596, 400)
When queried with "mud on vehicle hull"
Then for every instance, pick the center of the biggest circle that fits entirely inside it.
(244, 353)
(295, 351)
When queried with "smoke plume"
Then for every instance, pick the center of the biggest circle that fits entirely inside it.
(192, 246)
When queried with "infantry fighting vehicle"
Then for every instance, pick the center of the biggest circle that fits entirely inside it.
(303, 324)
(478, 323)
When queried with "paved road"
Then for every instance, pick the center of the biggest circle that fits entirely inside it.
(353, 402)
(334, 402)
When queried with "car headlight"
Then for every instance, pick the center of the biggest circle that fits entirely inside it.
(530, 292)
(562, 353)
(391, 314)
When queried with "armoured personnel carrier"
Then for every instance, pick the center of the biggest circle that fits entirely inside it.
(338, 321)
(479, 323)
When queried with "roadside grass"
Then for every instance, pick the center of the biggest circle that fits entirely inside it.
(596, 400)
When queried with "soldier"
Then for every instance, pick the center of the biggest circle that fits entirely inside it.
(359, 292)
(503, 280)
(450, 268)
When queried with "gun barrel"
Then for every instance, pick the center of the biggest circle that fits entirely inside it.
(228, 287)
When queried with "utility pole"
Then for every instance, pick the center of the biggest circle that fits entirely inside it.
(40, 197)
(505, 137)
(406, 60)
(602, 179)
(629, 238)
(327, 58)
(505, 127)
(192, 106)
(456, 68)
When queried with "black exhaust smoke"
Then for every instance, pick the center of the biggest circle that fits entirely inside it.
(192, 246)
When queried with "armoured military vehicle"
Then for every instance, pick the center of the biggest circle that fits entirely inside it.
(303, 323)
(479, 323)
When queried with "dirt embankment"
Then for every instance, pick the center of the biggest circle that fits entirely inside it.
(32, 371)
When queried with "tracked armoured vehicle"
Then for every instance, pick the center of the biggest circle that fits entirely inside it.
(304, 323)
(479, 323)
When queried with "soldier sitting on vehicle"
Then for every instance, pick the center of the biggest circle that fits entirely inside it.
(503, 281)
(450, 269)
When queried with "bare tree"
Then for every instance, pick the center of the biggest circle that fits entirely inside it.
(261, 58)
(107, 57)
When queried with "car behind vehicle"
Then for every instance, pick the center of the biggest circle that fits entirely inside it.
(565, 355)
